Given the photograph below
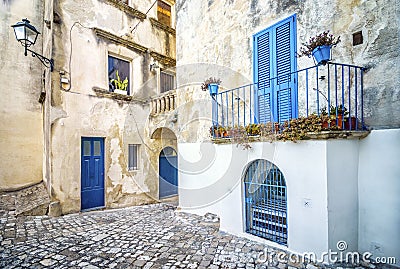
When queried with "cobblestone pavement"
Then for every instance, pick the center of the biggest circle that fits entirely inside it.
(151, 236)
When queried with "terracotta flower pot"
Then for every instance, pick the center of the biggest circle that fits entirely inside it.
(350, 124)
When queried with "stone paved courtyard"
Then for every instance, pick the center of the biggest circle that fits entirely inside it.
(151, 236)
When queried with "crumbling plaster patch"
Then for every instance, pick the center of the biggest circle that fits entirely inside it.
(116, 172)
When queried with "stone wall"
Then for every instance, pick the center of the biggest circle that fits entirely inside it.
(220, 33)
(32, 200)
(21, 137)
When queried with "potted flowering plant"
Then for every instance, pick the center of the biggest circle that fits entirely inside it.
(212, 85)
(319, 47)
(337, 115)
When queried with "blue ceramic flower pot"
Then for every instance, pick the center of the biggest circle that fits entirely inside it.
(213, 88)
(322, 54)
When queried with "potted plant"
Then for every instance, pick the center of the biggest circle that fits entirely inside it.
(253, 129)
(336, 115)
(352, 123)
(214, 131)
(223, 131)
(228, 131)
(218, 131)
(319, 47)
(120, 86)
(212, 85)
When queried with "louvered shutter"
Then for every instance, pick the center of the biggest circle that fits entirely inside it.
(284, 59)
(263, 63)
(275, 62)
(264, 107)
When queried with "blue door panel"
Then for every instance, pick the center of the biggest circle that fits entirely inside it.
(92, 173)
(168, 174)
(85, 173)
(97, 172)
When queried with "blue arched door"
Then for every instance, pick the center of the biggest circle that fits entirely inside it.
(168, 173)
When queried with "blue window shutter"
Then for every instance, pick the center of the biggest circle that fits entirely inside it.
(263, 59)
(262, 75)
(284, 105)
(264, 108)
(283, 55)
(275, 62)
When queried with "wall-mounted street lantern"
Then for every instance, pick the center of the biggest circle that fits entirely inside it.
(27, 35)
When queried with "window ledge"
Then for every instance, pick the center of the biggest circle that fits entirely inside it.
(161, 26)
(163, 94)
(128, 9)
(165, 60)
(116, 96)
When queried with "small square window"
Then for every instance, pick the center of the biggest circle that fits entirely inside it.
(133, 156)
(167, 82)
(118, 74)
(357, 38)
(164, 13)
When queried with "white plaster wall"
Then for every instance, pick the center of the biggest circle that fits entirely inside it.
(342, 175)
(379, 188)
(217, 187)
(352, 187)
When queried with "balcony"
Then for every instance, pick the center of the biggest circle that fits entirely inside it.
(163, 103)
(330, 96)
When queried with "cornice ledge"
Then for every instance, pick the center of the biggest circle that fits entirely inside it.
(165, 60)
(119, 40)
(164, 27)
(128, 9)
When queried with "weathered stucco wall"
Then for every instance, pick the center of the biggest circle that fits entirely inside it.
(378, 194)
(82, 109)
(21, 136)
(220, 33)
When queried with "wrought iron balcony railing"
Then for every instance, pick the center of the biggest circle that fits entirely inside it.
(334, 90)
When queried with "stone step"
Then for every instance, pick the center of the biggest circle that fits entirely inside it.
(33, 200)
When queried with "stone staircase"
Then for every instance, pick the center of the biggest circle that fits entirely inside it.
(33, 201)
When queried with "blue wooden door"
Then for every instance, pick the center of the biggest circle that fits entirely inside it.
(168, 170)
(92, 173)
(274, 63)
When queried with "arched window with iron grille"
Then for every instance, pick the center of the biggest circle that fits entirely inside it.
(265, 199)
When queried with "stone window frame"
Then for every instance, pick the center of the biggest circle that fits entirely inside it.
(135, 157)
(168, 71)
(158, 23)
(111, 53)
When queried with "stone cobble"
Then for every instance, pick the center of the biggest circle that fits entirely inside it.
(150, 236)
